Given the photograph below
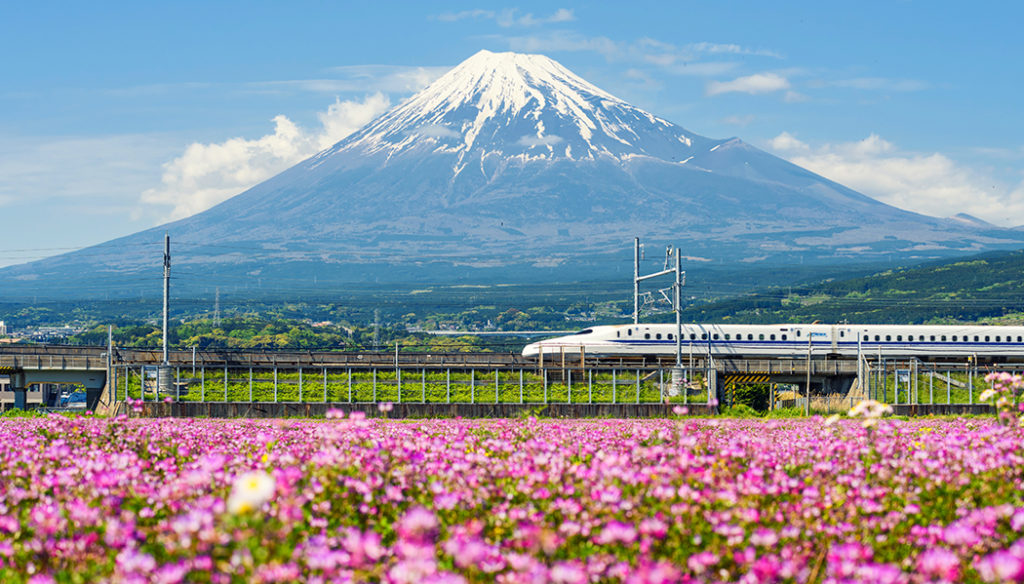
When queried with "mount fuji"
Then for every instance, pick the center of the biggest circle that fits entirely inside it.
(511, 161)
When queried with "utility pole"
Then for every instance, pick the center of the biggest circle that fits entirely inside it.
(216, 308)
(677, 301)
(376, 329)
(636, 280)
(163, 371)
(167, 288)
(807, 389)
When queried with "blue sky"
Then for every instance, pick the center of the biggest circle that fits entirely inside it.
(117, 116)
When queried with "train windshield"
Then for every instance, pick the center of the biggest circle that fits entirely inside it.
(585, 332)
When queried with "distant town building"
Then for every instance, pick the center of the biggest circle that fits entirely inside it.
(3, 328)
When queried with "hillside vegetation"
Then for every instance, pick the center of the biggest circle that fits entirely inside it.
(987, 288)
(984, 288)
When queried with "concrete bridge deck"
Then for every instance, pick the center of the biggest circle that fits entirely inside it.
(91, 367)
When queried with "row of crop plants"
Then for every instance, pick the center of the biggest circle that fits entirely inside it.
(493, 386)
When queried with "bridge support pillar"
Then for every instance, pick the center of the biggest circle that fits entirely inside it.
(20, 389)
(716, 389)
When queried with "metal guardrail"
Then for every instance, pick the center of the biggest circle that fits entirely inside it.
(52, 362)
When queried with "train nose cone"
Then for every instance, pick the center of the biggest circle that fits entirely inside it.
(532, 350)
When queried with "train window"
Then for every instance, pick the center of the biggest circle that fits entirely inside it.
(715, 336)
(899, 337)
(669, 336)
(1018, 339)
(954, 338)
(798, 334)
(629, 332)
(727, 336)
(647, 335)
(842, 333)
(618, 334)
(933, 338)
(888, 337)
(943, 338)
(910, 337)
(878, 338)
(976, 339)
(997, 338)
(761, 337)
(750, 337)
(585, 332)
(658, 336)
(693, 336)
(703, 336)
(986, 338)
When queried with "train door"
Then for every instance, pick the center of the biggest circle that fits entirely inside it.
(835, 339)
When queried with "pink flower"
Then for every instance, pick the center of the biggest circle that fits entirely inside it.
(418, 522)
(1001, 566)
(701, 561)
(567, 573)
(939, 563)
(617, 532)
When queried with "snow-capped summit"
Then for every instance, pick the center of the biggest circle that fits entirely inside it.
(511, 161)
(511, 104)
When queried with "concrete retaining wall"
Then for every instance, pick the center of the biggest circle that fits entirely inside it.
(942, 409)
(413, 410)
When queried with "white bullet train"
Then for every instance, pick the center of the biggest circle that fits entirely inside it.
(988, 343)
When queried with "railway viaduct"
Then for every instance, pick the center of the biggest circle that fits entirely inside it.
(97, 369)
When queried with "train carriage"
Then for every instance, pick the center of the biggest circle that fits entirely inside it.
(992, 343)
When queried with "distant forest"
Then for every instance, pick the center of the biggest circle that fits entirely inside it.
(987, 288)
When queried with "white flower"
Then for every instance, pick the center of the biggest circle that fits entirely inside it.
(250, 491)
(831, 420)
(987, 395)
(869, 409)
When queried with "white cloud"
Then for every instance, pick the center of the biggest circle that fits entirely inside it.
(928, 183)
(678, 60)
(565, 41)
(206, 174)
(735, 120)
(64, 170)
(532, 141)
(358, 78)
(752, 84)
(456, 16)
(437, 131)
(786, 142)
(731, 49)
(62, 193)
(881, 84)
(509, 17)
(794, 97)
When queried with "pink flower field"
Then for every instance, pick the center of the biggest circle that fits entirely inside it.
(351, 499)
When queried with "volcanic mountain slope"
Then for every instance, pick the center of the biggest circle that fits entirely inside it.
(513, 159)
